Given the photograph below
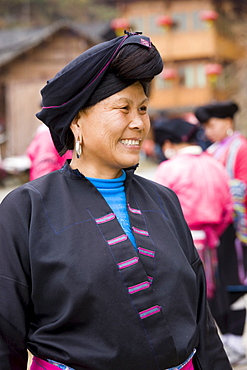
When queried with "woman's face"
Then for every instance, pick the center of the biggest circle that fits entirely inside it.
(216, 128)
(112, 132)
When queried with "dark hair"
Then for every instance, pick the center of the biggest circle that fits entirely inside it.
(137, 63)
(176, 130)
(132, 63)
(161, 137)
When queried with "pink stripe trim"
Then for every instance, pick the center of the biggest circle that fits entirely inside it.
(136, 288)
(150, 311)
(150, 278)
(107, 64)
(117, 240)
(133, 210)
(146, 252)
(39, 364)
(139, 231)
(106, 218)
(127, 263)
(146, 43)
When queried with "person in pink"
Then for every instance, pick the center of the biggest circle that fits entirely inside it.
(201, 184)
(230, 148)
(43, 154)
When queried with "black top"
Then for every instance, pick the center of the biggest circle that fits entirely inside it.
(73, 289)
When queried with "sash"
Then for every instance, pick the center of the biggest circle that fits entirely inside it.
(39, 364)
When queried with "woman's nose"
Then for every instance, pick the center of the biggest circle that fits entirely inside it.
(137, 121)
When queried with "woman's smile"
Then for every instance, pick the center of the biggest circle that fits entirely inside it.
(133, 143)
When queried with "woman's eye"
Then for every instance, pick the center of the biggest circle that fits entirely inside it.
(143, 109)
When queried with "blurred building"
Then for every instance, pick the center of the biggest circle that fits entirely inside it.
(28, 58)
(197, 45)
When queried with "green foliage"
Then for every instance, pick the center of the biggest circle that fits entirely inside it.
(41, 12)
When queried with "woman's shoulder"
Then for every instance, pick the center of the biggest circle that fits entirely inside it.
(25, 192)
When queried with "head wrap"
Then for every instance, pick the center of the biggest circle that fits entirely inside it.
(85, 81)
(176, 130)
(218, 110)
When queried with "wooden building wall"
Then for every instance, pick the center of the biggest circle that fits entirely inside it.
(23, 79)
(192, 44)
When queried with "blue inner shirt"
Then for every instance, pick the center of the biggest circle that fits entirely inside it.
(114, 193)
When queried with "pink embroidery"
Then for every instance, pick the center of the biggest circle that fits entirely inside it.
(139, 231)
(133, 210)
(146, 252)
(150, 278)
(127, 263)
(138, 287)
(118, 239)
(145, 43)
(150, 311)
(106, 218)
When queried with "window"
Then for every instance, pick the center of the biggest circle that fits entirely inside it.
(201, 75)
(162, 84)
(193, 75)
(189, 76)
(198, 24)
(153, 27)
(181, 21)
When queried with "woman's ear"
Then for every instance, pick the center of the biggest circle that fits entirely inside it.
(167, 145)
(230, 123)
(75, 126)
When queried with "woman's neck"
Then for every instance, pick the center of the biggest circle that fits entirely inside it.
(92, 171)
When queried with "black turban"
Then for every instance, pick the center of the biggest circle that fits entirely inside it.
(88, 79)
(176, 130)
(218, 110)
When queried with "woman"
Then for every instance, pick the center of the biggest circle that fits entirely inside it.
(230, 148)
(100, 270)
(199, 180)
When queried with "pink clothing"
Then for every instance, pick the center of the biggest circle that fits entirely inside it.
(188, 366)
(232, 153)
(43, 154)
(201, 184)
(39, 364)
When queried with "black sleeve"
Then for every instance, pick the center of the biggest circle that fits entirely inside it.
(14, 281)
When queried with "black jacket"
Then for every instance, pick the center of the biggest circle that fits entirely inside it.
(73, 289)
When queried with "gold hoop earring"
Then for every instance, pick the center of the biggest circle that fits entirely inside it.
(78, 148)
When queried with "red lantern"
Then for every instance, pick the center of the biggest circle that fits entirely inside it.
(209, 16)
(169, 74)
(165, 21)
(213, 70)
(119, 25)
